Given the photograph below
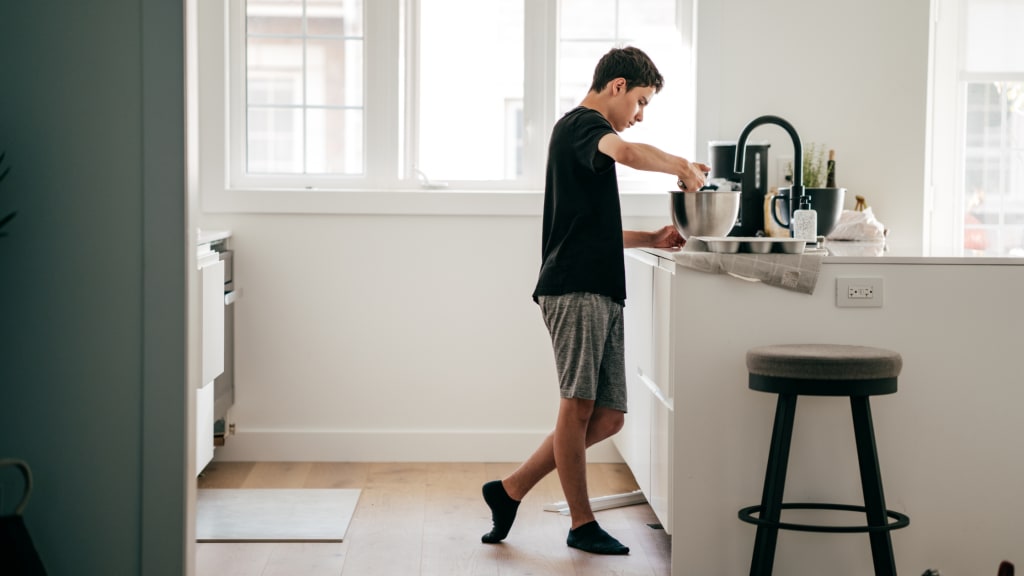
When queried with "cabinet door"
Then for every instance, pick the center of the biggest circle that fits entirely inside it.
(204, 426)
(212, 305)
(662, 401)
(633, 441)
(661, 328)
(661, 462)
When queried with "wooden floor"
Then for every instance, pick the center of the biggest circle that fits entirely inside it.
(426, 519)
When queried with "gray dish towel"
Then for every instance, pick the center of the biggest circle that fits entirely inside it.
(796, 272)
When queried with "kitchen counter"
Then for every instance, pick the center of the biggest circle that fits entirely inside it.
(949, 440)
(211, 236)
(879, 253)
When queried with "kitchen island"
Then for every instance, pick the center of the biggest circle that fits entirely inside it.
(950, 441)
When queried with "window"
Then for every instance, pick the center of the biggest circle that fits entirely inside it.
(977, 145)
(588, 28)
(334, 95)
(994, 168)
(303, 89)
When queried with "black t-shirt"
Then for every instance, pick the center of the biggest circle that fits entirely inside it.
(582, 238)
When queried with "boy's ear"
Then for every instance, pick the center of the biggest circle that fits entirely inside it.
(618, 85)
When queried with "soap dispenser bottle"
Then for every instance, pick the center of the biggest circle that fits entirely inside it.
(805, 221)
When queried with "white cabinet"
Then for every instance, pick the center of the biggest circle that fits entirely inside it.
(211, 304)
(662, 399)
(645, 441)
(634, 441)
(211, 274)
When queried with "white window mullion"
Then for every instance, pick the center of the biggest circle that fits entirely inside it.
(304, 130)
(540, 104)
(411, 76)
(236, 100)
(381, 54)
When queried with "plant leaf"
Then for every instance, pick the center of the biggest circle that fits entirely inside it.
(7, 219)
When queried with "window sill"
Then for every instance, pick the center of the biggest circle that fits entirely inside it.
(409, 202)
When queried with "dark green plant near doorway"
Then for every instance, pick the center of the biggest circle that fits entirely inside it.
(5, 220)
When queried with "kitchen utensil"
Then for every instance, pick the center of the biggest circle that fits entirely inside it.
(771, 228)
(18, 553)
(827, 202)
(705, 212)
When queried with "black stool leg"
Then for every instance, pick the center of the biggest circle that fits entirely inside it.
(774, 484)
(871, 481)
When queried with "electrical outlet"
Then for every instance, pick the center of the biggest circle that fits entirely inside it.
(861, 292)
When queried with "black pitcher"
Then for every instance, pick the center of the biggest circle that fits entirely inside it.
(18, 556)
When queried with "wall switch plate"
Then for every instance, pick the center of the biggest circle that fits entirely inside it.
(859, 292)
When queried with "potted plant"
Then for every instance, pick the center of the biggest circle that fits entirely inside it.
(826, 198)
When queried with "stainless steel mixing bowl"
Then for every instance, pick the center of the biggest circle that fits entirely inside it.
(705, 213)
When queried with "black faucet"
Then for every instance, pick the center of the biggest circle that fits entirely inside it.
(798, 150)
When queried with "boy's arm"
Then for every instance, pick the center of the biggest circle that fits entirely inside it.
(651, 159)
(666, 237)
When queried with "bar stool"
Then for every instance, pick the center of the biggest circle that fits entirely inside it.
(823, 370)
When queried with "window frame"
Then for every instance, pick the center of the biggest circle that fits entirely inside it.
(387, 152)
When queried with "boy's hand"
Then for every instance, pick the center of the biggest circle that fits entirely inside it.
(668, 238)
(693, 176)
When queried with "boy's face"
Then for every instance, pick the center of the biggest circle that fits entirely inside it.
(627, 106)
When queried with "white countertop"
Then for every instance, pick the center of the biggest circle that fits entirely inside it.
(840, 252)
(208, 236)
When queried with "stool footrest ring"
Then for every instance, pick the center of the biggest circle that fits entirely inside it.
(747, 515)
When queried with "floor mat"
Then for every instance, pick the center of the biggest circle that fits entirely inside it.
(272, 515)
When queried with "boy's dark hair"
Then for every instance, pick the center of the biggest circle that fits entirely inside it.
(629, 63)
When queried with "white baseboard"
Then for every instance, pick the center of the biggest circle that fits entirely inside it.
(268, 445)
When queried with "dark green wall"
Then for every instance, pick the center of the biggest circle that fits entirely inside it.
(78, 126)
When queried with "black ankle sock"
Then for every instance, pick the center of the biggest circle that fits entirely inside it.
(592, 538)
(503, 511)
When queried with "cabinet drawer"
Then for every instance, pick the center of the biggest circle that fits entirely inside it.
(211, 303)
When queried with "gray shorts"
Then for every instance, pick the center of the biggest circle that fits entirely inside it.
(587, 337)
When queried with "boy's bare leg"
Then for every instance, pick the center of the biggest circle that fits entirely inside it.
(571, 459)
(570, 452)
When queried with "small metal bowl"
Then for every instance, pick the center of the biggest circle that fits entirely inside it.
(721, 245)
(791, 245)
(758, 245)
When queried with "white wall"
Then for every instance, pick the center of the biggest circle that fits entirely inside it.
(414, 338)
(850, 75)
(389, 338)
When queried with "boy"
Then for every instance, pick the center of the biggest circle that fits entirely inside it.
(581, 288)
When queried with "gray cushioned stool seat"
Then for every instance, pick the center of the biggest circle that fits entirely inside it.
(823, 369)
